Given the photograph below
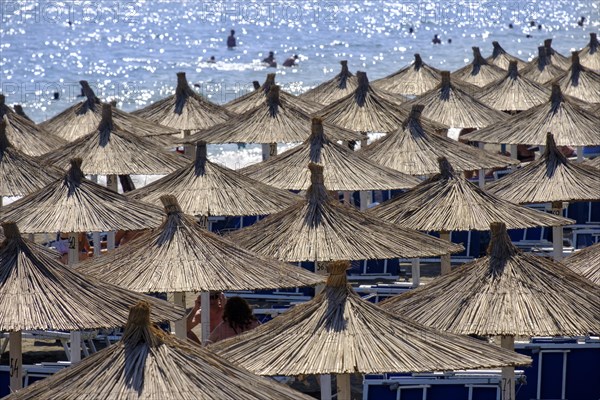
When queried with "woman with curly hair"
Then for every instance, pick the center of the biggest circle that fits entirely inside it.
(237, 318)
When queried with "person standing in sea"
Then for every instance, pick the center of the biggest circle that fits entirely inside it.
(231, 42)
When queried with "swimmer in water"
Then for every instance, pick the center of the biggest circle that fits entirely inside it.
(436, 39)
(270, 60)
(290, 62)
(231, 42)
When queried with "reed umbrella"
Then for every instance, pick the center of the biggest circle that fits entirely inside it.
(207, 189)
(513, 93)
(556, 58)
(594, 163)
(149, 364)
(254, 99)
(19, 110)
(590, 55)
(452, 106)
(480, 72)
(334, 89)
(542, 69)
(448, 202)
(500, 58)
(562, 115)
(508, 293)
(580, 82)
(340, 333)
(412, 80)
(25, 135)
(414, 151)
(586, 263)
(82, 118)
(37, 292)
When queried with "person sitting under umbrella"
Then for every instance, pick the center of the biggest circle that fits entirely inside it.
(237, 318)
(217, 306)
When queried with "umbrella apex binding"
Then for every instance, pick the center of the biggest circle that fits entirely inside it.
(360, 95)
(344, 75)
(500, 246)
(445, 79)
(513, 71)
(270, 81)
(88, 93)
(337, 273)
(4, 143)
(497, 49)
(273, 100)
(201, 158)
(446, 169)
(138, 328)
(11, 231)
(171, 204)
(418, 62)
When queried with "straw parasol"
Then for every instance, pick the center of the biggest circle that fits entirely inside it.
(412, 80)
(207, 189)
(149, 364)
(256, 98)
(513, 93)
(556, 58)
(542, 69)
(25, 135)
(594, 163)
(343, 169)
(321, 229)
(590, 55)
(334, 89)
(500, 58)
(586, 263)
(479, 72)
(110, 149)
(413, 151)
(580, 82)
(449, 104)
(562, 115)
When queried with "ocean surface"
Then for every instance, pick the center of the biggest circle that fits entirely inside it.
(130, 51)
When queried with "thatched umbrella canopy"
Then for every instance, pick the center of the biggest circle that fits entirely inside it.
(452, 106)
(185, 110)
(580, 82)
(557, 59)
(256, 98)
(149, 364)
(542, 69)
(344, 169)
(513, 92)
(368, 110)
(334, 89)
(75, 204)
(449, 202)
(412, 80)
(25, 135)
(480, 72)
(276, 120)
(414, 151)
(500, 58)
(19, 110)
(571, 124)
(338, 332)
(322, 229)
(590, 54)
(82, 118)
(594, 163)
(586, 263)
(182, 256)
(207, 189)
(111, 149)
(508, 292)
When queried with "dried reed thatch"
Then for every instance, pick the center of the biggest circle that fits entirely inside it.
(479, 72)
(334, 89)
(594, 163)
(590, 54)
(562, 115)
(276, 120)
(586, 263)
(580, 82)
(452, 106)
(368, 110)
(20, 174)
(412, 80)
(340, 333)
(25, 135)
(148, 364)
(256, 98)
(182, 256)
(50, 252)
(185, 110)
(551, 178)
(500, 58)
(344, 169)
(82, 118)
(110, 149)
(542, 69)
(557, 59)
(19, 110)
(321, 229)
(205, 188)
(75, 204)
(449, 202)
(413, 151)
(513, 92)
(507, 292)
(39, 292)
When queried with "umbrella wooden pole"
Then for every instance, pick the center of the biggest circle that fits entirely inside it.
(181, 325)
(188, 149)
(204, 317)
(112, 183)
(481, 171)
(579, 154)
(75, 335)
(508, 373)
(445, 258)
(16, 360)
(75, 347)
(325, 382)
(557, 233)
(96, 235)
(416, 272)
(365, 199)
(269, 150)
(343, 386)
